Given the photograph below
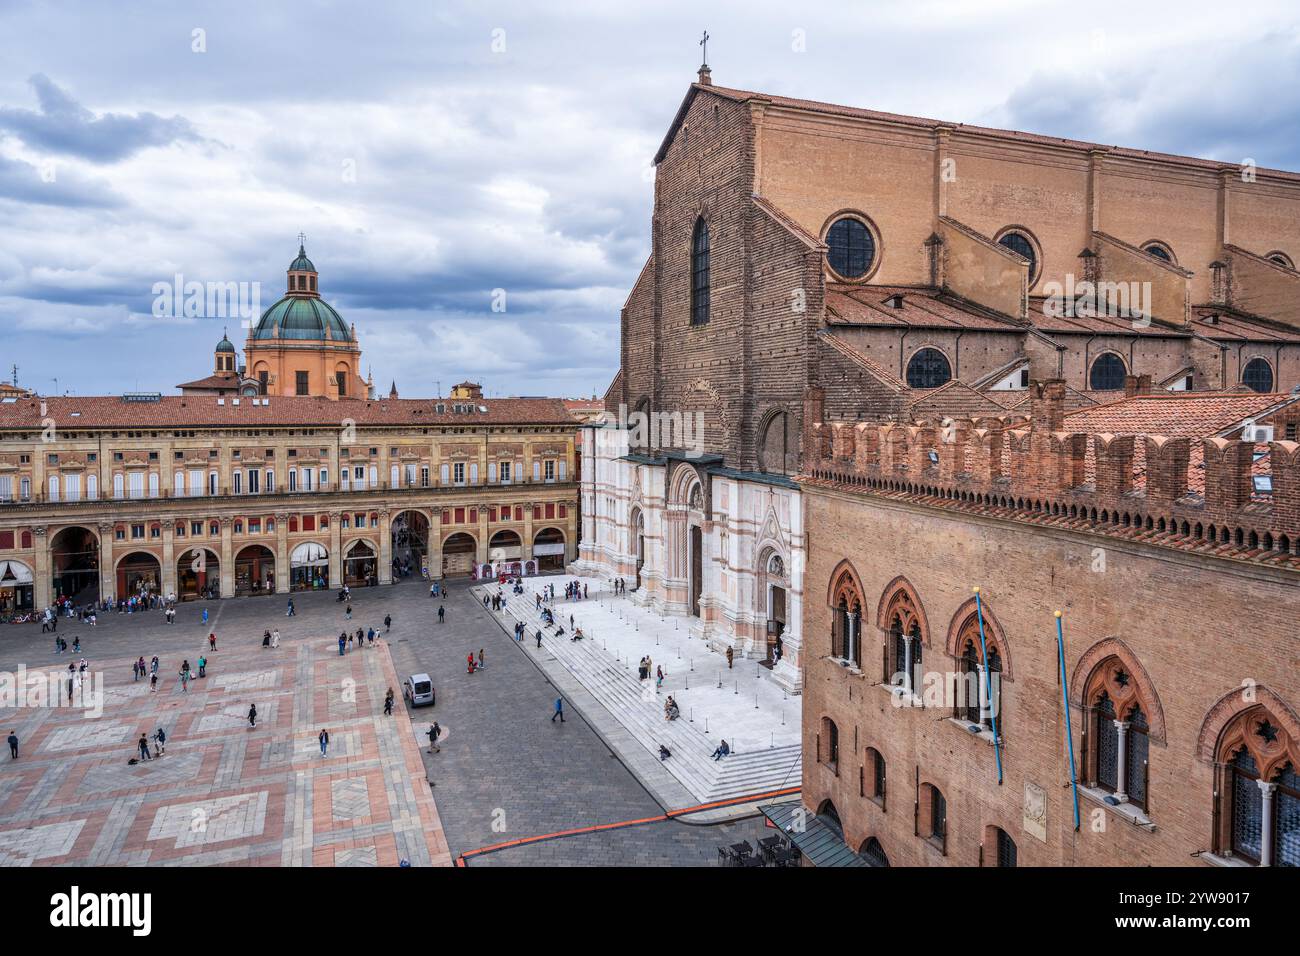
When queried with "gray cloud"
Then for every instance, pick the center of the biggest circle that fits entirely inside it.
(428, 170)
(62, 125)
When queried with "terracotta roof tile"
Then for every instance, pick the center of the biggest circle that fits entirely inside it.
(188, 411)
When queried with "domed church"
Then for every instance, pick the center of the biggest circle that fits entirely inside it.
(301, 345)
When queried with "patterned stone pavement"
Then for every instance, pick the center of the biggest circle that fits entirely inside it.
(265, 796)
(224, 793)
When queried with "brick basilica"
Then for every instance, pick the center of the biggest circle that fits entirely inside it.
(877, 386)
(281, 473)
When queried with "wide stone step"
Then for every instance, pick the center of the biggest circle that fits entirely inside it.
(620, 692)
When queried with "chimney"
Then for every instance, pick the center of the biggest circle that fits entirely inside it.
(1047, 405)
(1137, 385)
(706, 77)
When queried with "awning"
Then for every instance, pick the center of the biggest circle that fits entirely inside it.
(818, 837)
(14, 574)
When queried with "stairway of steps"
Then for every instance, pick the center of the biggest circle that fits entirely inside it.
(620, 692)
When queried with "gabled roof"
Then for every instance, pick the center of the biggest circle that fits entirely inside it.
(918, 307)
(1193, 415)
(831, 109)
(868, 365)
(1228, 325)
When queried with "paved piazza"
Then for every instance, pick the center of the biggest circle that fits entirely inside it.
(228, 794)
(224, 793)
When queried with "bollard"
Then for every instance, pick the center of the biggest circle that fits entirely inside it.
(737, 690)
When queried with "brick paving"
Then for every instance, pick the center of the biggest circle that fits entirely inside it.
(224, 793)
(265, 796)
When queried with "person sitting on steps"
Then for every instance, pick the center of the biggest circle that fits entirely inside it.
(722, 751)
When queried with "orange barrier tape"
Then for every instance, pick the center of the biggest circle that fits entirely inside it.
(463, 859)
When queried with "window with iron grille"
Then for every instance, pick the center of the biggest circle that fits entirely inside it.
(1107, 745)
(1006, 849)
(1019, 243)
(1107, 373)
(1247, 807)
(1258, 376)
(928, 368)
(850, 248)
(1135, 784)
(938, 814)
(700, 273)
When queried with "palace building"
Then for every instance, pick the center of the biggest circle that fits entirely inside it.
(887, 360)
(277, 475)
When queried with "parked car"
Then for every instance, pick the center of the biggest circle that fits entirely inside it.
(418, 690)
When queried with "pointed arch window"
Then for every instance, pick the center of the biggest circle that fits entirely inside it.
(700, 273)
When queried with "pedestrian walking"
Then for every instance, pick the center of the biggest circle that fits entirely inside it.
(203, 666)
(212, 641)
(275, 638)
(442, 611)
(388, 703)
(13, 745)
(153, 682)
(135, 669)
(348, 612)
(153, 665)
(291, 612)
(730, 656)
(205, 617)
(481, 663)
(388, 623)
(539, 638)
(559, 710)
(324, 738)
(144, 748)
(434, 733)
(252, 715)
(343, 643)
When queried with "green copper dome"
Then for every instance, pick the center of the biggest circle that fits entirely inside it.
(302, 263)
(225, 345)
(301, 317)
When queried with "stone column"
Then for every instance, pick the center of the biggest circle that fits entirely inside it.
(169, 557)
(336, 549)
(107, 575)
(481, 555)
(42, 583)
(435, 543)
(1121, 762)
(907, 663)
(1267, 791)
(282, 552)
(526, 545)
(227, 557)
(386, 547)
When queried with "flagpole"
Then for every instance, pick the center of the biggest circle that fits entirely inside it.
(1065, 705)
(988, 687)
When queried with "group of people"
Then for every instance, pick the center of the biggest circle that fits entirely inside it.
(643, 671)
(61, 646)
(473, 665)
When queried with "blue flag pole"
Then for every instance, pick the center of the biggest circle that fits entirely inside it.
(988, 686)
(1065, 705)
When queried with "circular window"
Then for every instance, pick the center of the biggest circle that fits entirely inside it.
(928, 368)
(1258, 375)
(1108, 373)
(1020, 243)
(1160, 251)
(851, 248)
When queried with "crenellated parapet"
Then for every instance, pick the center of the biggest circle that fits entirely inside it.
(1221, 495)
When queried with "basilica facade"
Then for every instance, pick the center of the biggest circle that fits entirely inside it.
(889, 360)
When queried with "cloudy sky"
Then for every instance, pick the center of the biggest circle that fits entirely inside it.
(434, 152)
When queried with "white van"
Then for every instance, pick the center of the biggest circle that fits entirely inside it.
(418, 690)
